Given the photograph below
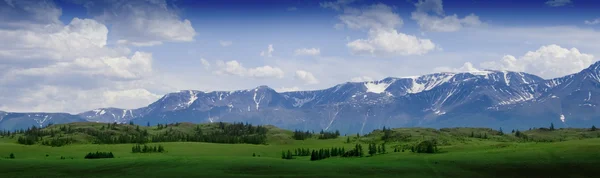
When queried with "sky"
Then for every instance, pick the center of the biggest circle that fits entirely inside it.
(75, 55)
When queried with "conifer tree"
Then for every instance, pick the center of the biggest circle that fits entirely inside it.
(594, 128)
(383, 148)
(12, 156)
(551, 126)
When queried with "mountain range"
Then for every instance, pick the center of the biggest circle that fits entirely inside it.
(488, 98)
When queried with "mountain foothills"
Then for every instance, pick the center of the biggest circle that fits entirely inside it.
(493, 99)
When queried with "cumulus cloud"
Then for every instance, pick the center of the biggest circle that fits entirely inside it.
(548, 62)
(558, 3)
(362, 79)
(391, 42)
(52, 67)
(592, 22)
(381, 22)
(306, 77)
(225, 43)
(268, 52)
(142, 23)
(308, 51)
(430, 17)
(236, 68)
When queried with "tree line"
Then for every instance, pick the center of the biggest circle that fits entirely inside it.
(147, 149)
(99, 155)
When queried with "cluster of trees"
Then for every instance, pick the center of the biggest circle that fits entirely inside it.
(427, 146)
(398, 149)
(329, 135)
(287, 155)
(302, 152)
(299, 135)
(376, 149)
(147, 149)
(326, 153)
(479, 135)
(357, 151)
(57, 142)
(387, 134)
(98, 155)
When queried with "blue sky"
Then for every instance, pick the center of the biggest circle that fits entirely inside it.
(77, 55)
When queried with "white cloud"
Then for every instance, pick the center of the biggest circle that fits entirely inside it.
(285, 89)
(593, 22)
(439, 22)
(308, 51)
(28, 13)
(225, 43)
(383, 39)
(142, 23)
(205, 63)
(269, 52)
(236, 68)
(362, 79)
(558, 3)
(391, 42)
(548, 62)
(466, 67)
(306, 77)
(141, 44)
(54, 67)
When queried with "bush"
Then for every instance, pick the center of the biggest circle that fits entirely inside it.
(12, 156)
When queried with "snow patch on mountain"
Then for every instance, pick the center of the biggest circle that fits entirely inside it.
(378, 88)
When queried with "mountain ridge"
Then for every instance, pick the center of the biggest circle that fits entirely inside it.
(503, 98)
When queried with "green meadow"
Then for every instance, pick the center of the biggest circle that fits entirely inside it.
(462, 153)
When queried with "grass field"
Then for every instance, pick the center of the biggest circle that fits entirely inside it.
(499, 156)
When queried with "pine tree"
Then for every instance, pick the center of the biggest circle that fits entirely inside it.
(383, 148)
(472, 134)
(485, 136)
(348, 140)
(12, 156)
(501, 132)
(513, 131)
(313, 156)
(594, 128)
(148, 124)
(551, 126)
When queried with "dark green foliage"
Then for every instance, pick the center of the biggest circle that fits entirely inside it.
(302, 152)
(387, 134)
(130, 122)
(551, 126)
(372, 149)
(299, 135)
(253, 154)
(593, 128)
(147, 149)
(472, 134)
(501, 132)
(99, 155)
(348, 140)
(427, 146)
(329, 135)
(287, 155)
(57, 142)
(11, 156)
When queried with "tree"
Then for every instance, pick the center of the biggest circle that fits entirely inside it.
(472, 134)
(513, 131)
(383, 148)
(348, 140)
(594, 128)
(253, 154)
(551, 126)
(372, 149)
(148, 124)
(130, 122)
(12, 156)
(501, 132)
(485, 136)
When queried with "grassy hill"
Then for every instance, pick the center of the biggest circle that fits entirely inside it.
(543, 153)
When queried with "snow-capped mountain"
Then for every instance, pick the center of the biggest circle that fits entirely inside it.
(477, 98)
(10, 121)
